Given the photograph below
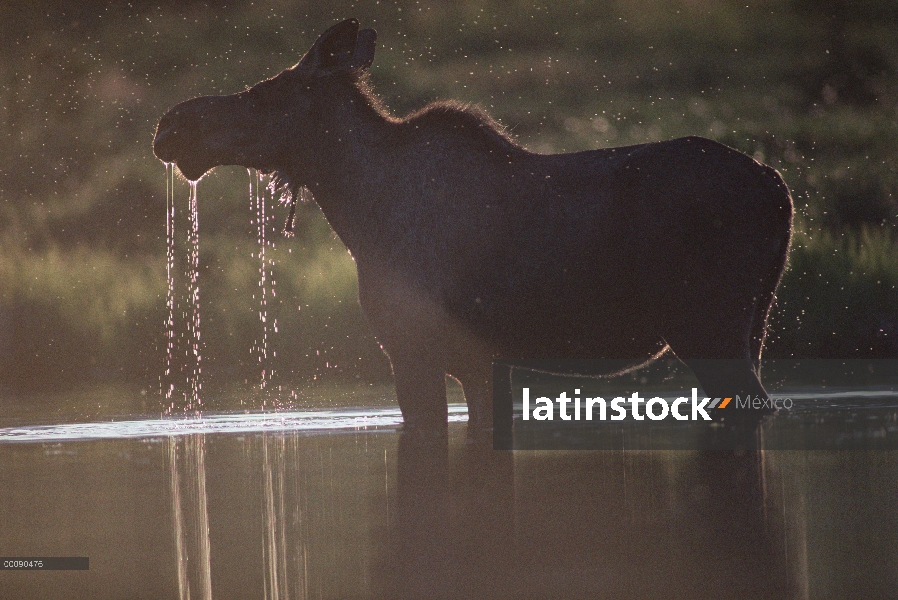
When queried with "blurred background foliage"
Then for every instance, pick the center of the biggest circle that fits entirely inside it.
(809, 87)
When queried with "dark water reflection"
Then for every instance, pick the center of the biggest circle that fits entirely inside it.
(378, 514)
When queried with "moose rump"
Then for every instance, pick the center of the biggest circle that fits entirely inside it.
(470, 248)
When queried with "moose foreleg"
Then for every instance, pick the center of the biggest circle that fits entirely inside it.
(421, 391)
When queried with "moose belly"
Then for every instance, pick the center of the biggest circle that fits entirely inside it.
(564, 324)
(488, 320)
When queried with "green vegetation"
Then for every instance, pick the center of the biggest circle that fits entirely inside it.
(808, 87)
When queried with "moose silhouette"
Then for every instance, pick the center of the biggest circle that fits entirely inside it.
(470, 248)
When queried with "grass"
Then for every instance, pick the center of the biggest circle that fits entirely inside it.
(838, 297)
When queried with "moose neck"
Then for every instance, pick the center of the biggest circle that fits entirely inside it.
(350, 155)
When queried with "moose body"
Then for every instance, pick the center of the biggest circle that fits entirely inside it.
(470, 248)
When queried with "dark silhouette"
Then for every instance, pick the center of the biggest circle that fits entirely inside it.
(471, 248)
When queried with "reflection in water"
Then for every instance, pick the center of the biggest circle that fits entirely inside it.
(190, 517)
(376, 515)
(422, 525)
(787, 512)
(284, 552)
(734, 549)
(587, 525)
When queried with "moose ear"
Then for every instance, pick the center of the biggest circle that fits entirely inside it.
(364, 50)
(334, 49)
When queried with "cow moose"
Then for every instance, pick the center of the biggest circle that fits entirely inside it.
(470, 248)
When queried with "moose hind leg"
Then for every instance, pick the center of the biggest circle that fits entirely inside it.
(478, 387)
(720, 356)
(727, 378)
(717, 348)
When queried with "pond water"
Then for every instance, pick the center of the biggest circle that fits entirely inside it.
(337, 502)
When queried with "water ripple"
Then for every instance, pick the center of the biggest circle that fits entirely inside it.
(313, 421)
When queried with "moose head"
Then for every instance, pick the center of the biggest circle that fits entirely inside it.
(266, 126)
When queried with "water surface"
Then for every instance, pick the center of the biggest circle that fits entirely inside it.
(315, 502)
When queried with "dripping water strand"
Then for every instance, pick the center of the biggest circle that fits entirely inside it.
(291, 218)
(181, 381)
(194, 348)
(272, 282)
(167, 383)
(271, 322)
(263, 277)
(260, 344)
(266, 287)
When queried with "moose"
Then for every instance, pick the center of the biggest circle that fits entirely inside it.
(470, 248)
